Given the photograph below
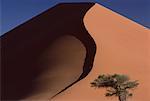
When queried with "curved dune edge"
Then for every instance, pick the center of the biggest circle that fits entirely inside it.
(23, 62)
(67, 55)
(122, 47)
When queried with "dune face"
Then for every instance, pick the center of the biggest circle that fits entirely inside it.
(66, 57)
(122, 47)
(27, 70)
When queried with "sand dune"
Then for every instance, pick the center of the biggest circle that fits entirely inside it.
(122, 47)
(37, 54)
(47, 53)
(67, 55)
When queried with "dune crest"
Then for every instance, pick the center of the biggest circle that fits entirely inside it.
(31, 65)
(122, 47)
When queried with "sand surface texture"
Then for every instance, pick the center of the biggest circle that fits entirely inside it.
(66, 55)
(122, 47)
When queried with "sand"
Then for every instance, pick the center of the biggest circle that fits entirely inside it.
(66, 57)
(39, 60)
(122, 47)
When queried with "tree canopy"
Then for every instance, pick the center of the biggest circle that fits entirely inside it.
(116, 84)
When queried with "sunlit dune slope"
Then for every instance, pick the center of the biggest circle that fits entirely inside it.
(122, 47)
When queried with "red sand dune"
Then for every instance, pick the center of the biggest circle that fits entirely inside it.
(122, 47)
(67, 55)
(39, 60)
(34, 68)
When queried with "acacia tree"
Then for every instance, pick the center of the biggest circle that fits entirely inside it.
(116, 85)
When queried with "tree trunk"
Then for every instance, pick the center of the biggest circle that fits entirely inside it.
(122, 97)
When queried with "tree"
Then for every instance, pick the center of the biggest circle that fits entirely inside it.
(116, 85)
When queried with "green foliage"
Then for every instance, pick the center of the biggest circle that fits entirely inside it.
(117, 85)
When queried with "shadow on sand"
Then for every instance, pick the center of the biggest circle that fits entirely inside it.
(22, 46)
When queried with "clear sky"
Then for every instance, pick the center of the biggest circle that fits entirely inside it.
(16, 12)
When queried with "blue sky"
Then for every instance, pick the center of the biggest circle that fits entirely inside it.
(16, 12)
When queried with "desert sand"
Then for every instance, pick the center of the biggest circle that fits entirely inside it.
(67, 55)
(122, 47)
(47, 53)
(39, 63)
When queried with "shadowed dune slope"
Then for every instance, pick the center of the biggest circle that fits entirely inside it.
(62, 64)
(23, 48)
(122, 48)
